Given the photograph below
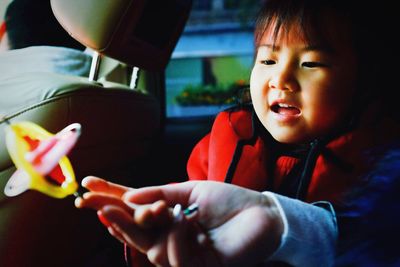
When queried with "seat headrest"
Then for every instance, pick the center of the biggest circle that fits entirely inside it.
(140, 33)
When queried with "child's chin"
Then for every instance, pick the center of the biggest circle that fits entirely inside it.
(286, 138)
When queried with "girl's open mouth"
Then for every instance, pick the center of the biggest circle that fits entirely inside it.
(285, 109)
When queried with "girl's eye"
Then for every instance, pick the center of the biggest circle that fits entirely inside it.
(268, 62)
(313, 64)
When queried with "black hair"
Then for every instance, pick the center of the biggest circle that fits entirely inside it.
(32, 23)
(312, 15)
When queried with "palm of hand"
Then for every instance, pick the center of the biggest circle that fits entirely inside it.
(237, 220)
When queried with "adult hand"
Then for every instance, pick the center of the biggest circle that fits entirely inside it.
(233, 226)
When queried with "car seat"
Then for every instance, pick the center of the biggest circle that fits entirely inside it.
(120, 124)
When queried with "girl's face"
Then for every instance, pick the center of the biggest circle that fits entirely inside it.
(301, 92)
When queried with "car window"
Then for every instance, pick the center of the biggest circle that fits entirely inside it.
(212, 60)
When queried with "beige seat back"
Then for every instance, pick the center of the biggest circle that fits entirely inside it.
(142, 33)
(119, 127)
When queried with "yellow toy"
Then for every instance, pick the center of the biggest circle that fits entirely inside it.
(40, 159)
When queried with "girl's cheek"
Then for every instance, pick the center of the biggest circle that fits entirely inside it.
(256, 78)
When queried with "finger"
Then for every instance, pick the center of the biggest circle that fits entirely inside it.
(96, 184)
(178, 246)
(153, 215)
(157, 254)
(97, 201)
(124, 224)
(117, 235)
(162, 213)
(110, 229)
(171, 193)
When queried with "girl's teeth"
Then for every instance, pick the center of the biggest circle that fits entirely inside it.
(284, 105)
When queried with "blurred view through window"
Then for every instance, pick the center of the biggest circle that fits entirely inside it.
(213, 59)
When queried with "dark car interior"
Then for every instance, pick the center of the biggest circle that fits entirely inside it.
(121, 126)
(127, 136)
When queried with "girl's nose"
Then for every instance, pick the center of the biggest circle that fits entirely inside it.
(284, 79)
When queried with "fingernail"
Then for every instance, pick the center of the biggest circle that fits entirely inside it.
(78, 202)
(177, 213)
(84, 181)
(102, 219)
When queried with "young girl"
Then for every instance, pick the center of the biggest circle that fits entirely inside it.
(316, 112)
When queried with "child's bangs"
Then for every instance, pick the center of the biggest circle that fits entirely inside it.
(279, 18)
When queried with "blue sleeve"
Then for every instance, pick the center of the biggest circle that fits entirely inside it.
(310, 233)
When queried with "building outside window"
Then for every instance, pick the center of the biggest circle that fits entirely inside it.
(212, 60)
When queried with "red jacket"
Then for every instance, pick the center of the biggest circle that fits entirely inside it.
(234, 151)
